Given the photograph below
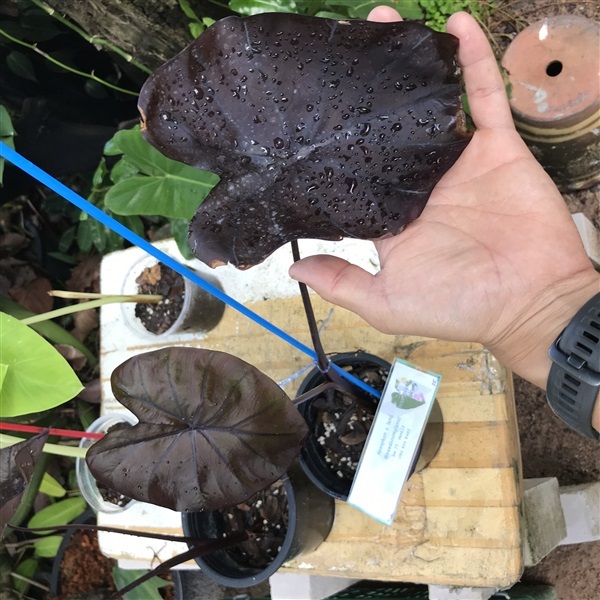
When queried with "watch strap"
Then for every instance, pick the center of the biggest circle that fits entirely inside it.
(574, 380)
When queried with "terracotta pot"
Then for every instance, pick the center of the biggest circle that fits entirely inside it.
(553, 67)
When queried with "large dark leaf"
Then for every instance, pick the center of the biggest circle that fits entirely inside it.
(213, 431)
(317, 128)
(17, 463)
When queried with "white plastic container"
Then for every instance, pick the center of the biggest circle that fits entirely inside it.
(85, 479)
(200, 313)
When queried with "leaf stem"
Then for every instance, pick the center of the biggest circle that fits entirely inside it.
(30, 581)
(56, 449)
(221, 5)
(66, 67)
(31, 490)
(322, 360)
(95, 41)
(74, 308)
(316, 391)
(148, 298)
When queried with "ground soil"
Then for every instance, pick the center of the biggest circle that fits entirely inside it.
(549, 448)
(85, 573)
(84, 568)
(342, 423)
(266, 516)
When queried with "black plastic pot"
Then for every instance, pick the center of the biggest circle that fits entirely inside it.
(310, 517)
(312, 459)
(89, 516)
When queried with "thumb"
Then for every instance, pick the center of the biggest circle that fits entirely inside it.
(336, 281)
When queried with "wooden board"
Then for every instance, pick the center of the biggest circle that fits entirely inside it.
(459, 519)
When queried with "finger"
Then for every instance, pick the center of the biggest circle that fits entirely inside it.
(336, 280)
(485, 89)
(384, 14)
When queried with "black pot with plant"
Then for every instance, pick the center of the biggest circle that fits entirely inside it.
(287, 519)
(339, 423)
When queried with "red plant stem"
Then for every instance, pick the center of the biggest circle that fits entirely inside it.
(61, 432)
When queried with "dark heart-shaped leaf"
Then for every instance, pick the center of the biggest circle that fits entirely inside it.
(17, 463)
(213, 430)
(318, 128)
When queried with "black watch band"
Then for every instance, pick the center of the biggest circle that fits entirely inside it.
(574, 380)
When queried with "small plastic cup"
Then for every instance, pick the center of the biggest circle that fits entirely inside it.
(85, 479)
(201, 311)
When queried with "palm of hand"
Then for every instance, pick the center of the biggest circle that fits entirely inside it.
(494, 245)
(473, 240)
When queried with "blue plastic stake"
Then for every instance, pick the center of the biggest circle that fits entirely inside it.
(68, 194)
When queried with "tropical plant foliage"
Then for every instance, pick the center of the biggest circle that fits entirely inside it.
(356, 155)
(212, 431)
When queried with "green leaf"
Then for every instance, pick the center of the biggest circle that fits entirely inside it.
(59, 513)
(84, 236)
(55, 333)
(20, 65)
(67, 239)
(100, 173)
(330, 15)
(256, 7)
(196, 28)
(145, 591)
(87, 413)
(38, 377)
(98, 233)
(359, 9)
(3, 370)
(6, 127)
(148, 183)
(122, 170)
(111, 148)
(179, 230)
(188, 11)
(167, 195)
(51, 487)
(7, 134)
(28, 569)
(134, 223)
(47, 547)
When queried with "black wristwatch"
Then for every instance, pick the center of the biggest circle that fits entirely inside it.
(574, 380)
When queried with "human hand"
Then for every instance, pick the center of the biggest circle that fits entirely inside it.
(494, 257)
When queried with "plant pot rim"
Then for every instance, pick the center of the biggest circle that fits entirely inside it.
(311, 459)
(85, 479)
(261, 574)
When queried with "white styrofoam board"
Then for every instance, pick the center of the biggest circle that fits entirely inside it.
(298, 586)
(120, 341)
(269, 280)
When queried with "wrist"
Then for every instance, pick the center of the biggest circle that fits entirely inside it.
(523, 347)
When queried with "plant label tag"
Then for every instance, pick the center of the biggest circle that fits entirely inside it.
(393, 440)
